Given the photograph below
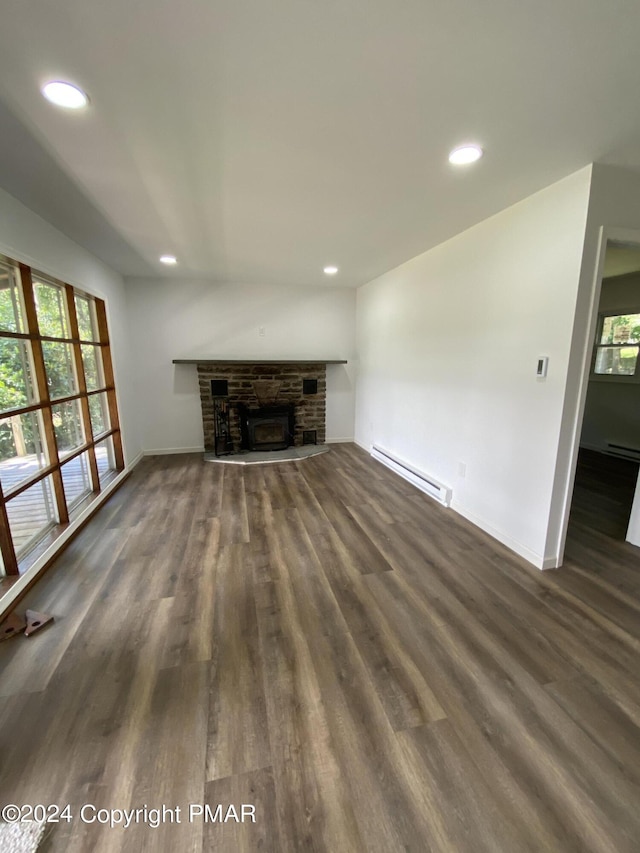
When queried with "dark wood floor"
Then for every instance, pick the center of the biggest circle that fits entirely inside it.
(603, 494)
(321, 641)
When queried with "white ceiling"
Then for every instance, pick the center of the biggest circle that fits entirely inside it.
(260, 141)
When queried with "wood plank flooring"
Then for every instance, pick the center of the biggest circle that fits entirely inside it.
(319, 640)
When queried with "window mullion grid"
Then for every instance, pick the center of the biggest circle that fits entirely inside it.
(26, 336)
(31, 318)
(9, 559)
(14, 301)
(82, 387)
(6, 540)
(45, 472)
(107, 367)
(34, 407)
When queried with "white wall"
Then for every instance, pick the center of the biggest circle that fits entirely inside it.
(191, 319)
(448, 345)
(26, 237)
(612, 411)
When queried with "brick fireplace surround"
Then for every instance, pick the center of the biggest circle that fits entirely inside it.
(310, 409)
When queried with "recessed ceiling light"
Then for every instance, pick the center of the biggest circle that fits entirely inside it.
(65, 95)
(330, 270)
(465, 154)
(170, 260)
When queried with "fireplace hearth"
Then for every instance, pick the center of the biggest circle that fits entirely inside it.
(267, 428)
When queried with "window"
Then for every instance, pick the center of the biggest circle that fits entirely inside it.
(617, 347)
(60, 437)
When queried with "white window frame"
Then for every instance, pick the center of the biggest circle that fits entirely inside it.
(613, 377)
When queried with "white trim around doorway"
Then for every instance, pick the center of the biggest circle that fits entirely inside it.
(607, 235)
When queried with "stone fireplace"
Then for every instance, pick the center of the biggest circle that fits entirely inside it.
(266, 403)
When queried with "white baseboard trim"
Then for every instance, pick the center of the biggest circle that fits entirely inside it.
(170, 451)
(338, 440)
(517, 547)
(33, 571)
(135, 461)
(614, 450)
(599, 448)
(521, 550)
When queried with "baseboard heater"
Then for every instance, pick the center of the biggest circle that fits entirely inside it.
(426, 484)
(622, 450)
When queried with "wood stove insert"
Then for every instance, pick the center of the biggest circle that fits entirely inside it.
(267, 428)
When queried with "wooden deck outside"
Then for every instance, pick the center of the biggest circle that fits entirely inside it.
(34, 510)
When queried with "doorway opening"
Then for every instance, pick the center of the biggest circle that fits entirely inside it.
(605, 504)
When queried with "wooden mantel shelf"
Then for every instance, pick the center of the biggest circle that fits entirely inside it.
(258, 361)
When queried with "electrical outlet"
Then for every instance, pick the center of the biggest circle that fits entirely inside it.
(462, 469)
(261, 331)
